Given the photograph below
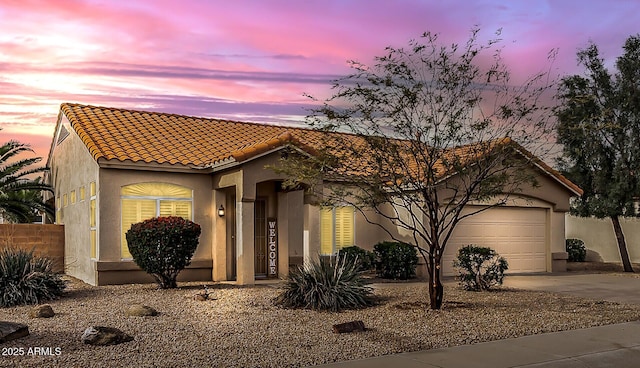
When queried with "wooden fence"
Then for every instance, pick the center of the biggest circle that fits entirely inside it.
(45, 240)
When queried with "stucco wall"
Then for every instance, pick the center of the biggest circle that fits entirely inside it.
(247, 183)
(600, 240)
(73, 167)
(109, 209)
(548, 195)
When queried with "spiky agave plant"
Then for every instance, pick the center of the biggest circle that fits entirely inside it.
(27, 279)
(329, 283)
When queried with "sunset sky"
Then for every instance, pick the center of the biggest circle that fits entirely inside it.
(254, 60)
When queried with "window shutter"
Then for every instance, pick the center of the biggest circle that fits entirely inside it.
(92, 213)
(134, 211)
(176, 208)
(156, 190)
(344, 227)
(326, 231)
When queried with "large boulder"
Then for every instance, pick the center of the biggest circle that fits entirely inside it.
(41, 311)
(11, 331)
(100, 335)
(139, 310)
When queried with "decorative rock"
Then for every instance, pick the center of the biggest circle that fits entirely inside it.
(200, 297)
(203, 295)
(12, 331)
(139, 310)
(100, 335)
(352, 326)
(41, 311)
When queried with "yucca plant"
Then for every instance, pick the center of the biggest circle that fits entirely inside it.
(330, 283)
(26, 279)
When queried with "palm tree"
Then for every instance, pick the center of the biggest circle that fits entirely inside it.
(20, 193)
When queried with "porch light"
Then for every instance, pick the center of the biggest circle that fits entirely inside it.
(221, 211)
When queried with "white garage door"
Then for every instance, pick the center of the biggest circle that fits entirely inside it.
(516, 233)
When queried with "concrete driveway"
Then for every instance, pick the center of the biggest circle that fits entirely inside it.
(600, 286)
(604, 346)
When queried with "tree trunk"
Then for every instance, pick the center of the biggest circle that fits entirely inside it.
(622, 245)
(436, 290)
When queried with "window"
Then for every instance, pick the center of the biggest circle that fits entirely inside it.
(337, 229)
(58, 212)
(72, 196)
(147, 200)
(92, 220)
(65, 200)
(81, 193)
(94, 244)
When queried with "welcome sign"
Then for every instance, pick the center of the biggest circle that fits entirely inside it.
(272, 245)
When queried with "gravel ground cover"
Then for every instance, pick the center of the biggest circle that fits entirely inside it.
(240, 327)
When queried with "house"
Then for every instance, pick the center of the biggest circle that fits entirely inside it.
(112, 167)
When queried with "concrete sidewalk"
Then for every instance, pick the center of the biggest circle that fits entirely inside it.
(607, 346)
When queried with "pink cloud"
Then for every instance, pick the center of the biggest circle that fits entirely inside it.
(256, 56)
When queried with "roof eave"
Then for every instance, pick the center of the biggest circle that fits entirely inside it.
(151, 166)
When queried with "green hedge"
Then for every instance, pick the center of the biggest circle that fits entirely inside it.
(395, 260)
(480, 268)
(364, 259)
(577, 251)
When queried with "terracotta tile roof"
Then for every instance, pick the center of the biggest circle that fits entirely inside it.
(468, 153)
(161, 138)
(151, 137)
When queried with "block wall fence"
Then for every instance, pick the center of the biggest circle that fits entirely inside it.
(46, 240)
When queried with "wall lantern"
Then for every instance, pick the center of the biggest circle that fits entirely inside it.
(221, 211)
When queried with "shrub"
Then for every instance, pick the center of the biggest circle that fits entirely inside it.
(395, 260)
(330, 283)
(577, 251)
(480, 268)
(163, 246)
(26, 279)
(363, 258)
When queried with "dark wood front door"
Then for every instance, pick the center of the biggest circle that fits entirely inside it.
(231, 236)
(260, 222)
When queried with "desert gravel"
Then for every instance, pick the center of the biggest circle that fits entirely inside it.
(240, 327)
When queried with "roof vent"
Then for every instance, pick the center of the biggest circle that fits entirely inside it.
(64, 133)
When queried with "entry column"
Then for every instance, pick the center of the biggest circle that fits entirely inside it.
(311, 234)
(245, 249)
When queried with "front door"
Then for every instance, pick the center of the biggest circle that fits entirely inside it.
(260, 222)
(231, 236)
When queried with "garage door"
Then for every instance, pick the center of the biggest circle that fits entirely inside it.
(516, 233)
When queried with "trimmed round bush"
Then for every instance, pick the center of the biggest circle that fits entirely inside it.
(480, 268)
(577, 251)
(362, 257)
(27, 279)
(330, 283)
(395, 260)
(163, 246)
